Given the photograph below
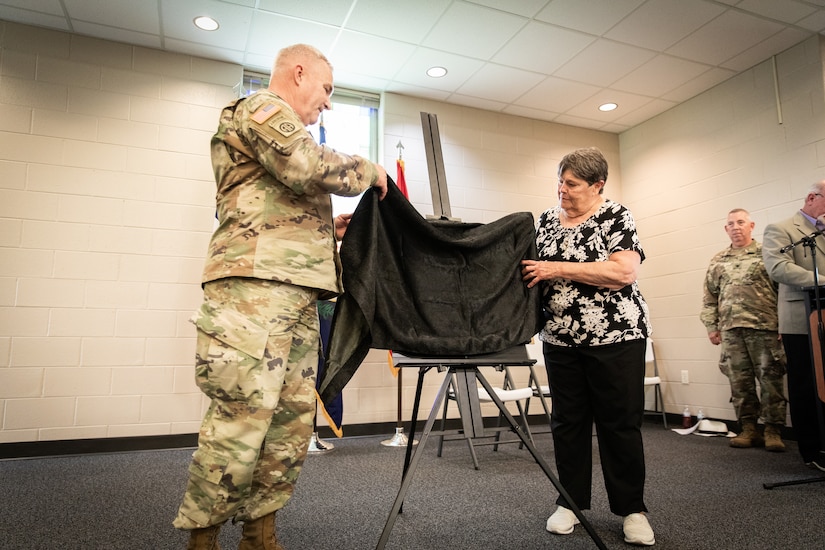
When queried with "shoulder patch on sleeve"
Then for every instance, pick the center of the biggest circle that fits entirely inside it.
(284, 127)
(265, 112)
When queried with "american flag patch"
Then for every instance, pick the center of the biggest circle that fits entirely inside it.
(265, 113)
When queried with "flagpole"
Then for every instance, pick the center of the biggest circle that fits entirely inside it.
(399, 439)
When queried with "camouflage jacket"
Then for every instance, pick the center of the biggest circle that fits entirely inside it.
(273, 196)
(738, 292)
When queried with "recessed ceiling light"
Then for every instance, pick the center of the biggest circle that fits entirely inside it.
(436, 72)
(607, 107)
(206, 23)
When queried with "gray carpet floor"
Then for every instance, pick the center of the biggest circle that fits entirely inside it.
(702, 494)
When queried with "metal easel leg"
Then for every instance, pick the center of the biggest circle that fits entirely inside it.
(410, 465)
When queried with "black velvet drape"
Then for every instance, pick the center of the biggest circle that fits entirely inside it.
(434, 288)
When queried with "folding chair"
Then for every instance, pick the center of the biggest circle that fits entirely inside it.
(507, 394)
(652, 369)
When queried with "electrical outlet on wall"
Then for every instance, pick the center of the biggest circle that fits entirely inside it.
(685, 377)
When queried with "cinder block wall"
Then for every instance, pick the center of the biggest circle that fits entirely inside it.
(106, 205)
(683, 171)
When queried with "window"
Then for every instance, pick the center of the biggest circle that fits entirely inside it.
(351, 126)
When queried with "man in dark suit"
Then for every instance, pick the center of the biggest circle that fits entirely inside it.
(793, 269)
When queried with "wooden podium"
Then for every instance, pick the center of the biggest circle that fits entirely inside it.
(816, 332)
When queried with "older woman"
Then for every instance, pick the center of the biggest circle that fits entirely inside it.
(594, 342)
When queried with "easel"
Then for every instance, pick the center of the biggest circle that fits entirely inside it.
(816, 333)
(467, 375)
(463, 369)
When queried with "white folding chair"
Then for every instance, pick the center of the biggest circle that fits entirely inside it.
(507, 394)
(652, 378)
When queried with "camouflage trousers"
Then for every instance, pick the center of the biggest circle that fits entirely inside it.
(256, 358)
(748, 356)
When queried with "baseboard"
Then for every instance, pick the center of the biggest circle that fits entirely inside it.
(38, 449)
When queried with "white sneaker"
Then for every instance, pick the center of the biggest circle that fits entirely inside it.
(562, 521)
(637, 530)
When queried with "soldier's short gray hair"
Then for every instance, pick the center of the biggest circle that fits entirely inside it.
(290, 54)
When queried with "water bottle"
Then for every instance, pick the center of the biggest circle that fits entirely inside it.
(700, 416)
(686, 420)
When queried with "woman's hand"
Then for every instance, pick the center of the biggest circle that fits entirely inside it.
(534, 271)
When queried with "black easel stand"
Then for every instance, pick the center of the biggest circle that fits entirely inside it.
(810, 242)
(467, 369)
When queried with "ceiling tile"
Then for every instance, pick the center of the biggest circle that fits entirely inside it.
(473, 31)
(499, 83)
(526, 8)
(591, 16)
(123, 14)
(35, 18)
(52, 7)
(815, 22)
(530, 113)
(331, 12)
(779, 42)
(211, 52)
(362, 53)
(542, 47)
(557, 95)
(789, 11)
(271, 32)
(118, 35)
(234, 21)
(627, 102)
(407, 22)
(459, 69)
(660, 75)
(724, 38)
(604, 62)
(417, 91)
(478, 103)
(658, 24)
(645, 112)
(698, 85)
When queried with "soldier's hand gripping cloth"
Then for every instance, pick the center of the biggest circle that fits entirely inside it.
(429, 288)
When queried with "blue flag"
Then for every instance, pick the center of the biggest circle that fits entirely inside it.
(334, 411)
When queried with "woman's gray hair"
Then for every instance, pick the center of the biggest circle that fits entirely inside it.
(588, 164)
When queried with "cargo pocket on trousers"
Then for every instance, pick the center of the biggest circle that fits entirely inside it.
(207, 495)
(229, 344)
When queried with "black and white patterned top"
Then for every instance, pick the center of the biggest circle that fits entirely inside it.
(580, 314)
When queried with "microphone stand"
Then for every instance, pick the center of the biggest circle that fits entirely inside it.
(810, 242)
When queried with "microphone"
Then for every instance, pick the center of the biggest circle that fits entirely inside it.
(808, 240)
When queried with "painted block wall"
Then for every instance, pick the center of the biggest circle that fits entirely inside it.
(106, 206)
(683, 171)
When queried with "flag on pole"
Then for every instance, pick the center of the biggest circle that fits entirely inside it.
(322, 132)
(334, 411)
(401, 182)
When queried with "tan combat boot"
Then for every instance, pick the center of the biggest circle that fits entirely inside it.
(259, 534)
(750, 437)
(204, 539)
(773, 438)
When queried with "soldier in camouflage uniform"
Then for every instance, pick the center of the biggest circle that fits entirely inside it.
(739, 311)
(272, 256)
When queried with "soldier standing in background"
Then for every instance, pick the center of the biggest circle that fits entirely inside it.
(271, 258)
(739, 312)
